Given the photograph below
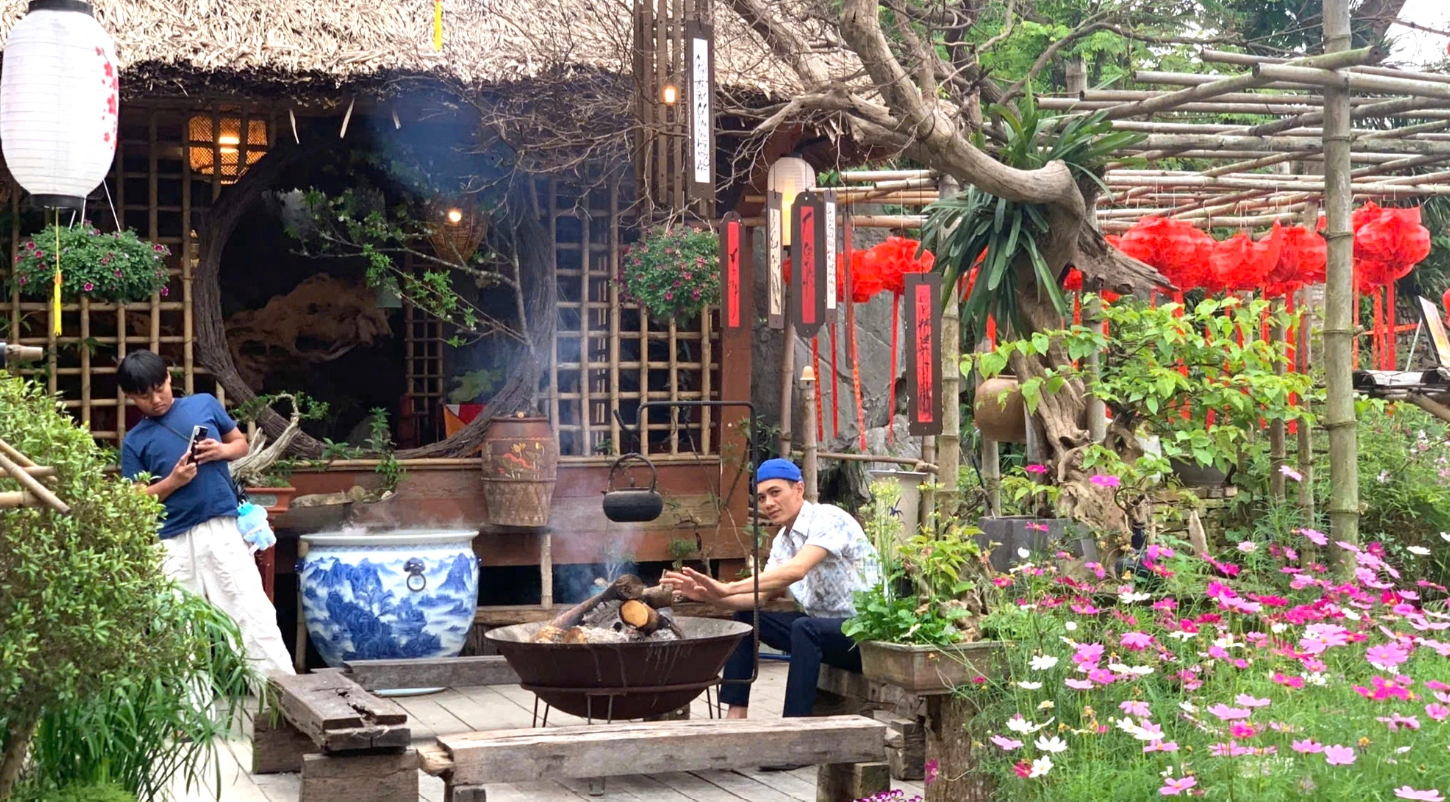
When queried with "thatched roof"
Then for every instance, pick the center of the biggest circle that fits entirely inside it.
(319, 45)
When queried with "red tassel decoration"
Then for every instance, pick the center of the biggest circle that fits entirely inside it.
(1393, 332)
(1379, 333)
(835, 396)
(816, 366)
(855, 357)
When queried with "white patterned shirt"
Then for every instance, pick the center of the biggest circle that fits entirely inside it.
(851, 562)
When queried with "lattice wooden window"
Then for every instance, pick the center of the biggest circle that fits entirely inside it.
(423, 364)
(152, 189)
(609, 356)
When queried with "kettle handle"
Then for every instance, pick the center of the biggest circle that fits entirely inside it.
(634, 457)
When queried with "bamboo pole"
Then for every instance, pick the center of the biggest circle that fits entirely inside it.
(1249, 60)
(1348, 58)
(949, 443)
(1339, 293)
(871, 176)
(31, 485)
(1278, 453)
(809, 462)
(1354, 82)
(1282, 144)
(787, 373)
(889, 221)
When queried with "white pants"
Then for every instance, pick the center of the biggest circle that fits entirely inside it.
(213, 561)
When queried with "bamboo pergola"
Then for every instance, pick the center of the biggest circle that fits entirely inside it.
(15, 465)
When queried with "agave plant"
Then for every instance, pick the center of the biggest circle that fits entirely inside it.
(977, 229)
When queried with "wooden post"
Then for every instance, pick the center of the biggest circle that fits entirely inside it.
(546, 570)
(947, 721)
(991, 460)
(927, 513)
(1097, 418)
(1305, 449)
(808, 460)
(787, 373)
(847, 782)
(364, 778)
(949, 442)
(1339, 417)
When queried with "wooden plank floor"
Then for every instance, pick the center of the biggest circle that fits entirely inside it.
(510, 707)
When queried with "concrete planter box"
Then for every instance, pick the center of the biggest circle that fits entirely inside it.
(1037, 535)
(930, 670)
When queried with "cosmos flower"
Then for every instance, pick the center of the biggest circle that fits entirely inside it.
(1006, 744)
(1042, 662)
(1406, 792)
(1339, 755)
(1172, 787)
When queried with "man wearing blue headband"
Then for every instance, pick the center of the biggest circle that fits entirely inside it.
(820, 557)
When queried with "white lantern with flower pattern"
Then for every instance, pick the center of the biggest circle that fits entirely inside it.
(59, 98)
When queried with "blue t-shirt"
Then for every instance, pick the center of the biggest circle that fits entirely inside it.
(155, 446)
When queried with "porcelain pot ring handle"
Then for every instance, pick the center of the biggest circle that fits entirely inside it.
(416, 581)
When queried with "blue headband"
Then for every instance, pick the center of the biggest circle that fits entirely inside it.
(777, 469)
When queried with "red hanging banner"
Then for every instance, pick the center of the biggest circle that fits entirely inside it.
(734, 275)
(808, 262)
(923, 353)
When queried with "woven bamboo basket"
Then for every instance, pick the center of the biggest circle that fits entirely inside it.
(520, 467)
(456, 239)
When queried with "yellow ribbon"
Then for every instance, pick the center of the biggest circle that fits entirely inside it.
(55, 290)
(437, 24)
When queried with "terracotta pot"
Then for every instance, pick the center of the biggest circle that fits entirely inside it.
(520, 467)
(272, 499)
(930, 670)
(1005, 424)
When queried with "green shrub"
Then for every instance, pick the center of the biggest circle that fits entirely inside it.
(96, 646)
(77, 792)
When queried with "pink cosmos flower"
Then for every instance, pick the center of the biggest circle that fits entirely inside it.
(1101, 676)
(1291, 473)
(1230, 749)
(1439, 647)
(1022, 769)
(1339, 755)
(1288, 682)
(1006, 744)
(932, 768)
(1241, 730)
(1406, 792)
(1037, 469)
(1140, 709)
(1306, 747)
(1037, 527)
(1314, 536)
(1437, 712)
(1172, 787)
(1245, 700)
(1397, 721)
(1078, 684)
(1226, 713)
(1105, 480)
(1436, 685)
(1386, 656)
(1088, 654)
(1136, 641)
(1161, 746)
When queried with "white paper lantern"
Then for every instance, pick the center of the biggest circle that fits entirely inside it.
(789, 176)
(59, 96)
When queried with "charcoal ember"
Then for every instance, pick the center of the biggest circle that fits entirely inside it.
(549, 635)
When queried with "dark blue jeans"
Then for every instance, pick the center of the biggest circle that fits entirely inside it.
(809, 642)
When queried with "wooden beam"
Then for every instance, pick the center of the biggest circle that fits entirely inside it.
(511, 756)
(449, 672)
(362, 778)
(338, 714)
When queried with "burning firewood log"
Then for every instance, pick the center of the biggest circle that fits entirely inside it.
(626, 588)
(646, 619)
(576, 635)
(549, 634)
(659, 596)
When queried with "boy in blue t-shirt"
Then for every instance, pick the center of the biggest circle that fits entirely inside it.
(204, 549)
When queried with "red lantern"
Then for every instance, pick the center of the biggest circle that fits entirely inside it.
(896, 257)
(1301, 262)
(1173, 247)
(865, 281)
(1239, 264)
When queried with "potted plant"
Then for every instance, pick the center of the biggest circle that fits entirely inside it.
(920, 626)
(671, 272)
(265, 474)
(118, 267)
(1036, 527)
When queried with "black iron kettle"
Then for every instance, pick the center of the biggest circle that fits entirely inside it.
(633, 504)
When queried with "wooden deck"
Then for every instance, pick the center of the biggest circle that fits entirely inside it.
(510, 707)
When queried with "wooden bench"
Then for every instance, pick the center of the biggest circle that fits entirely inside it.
(848, 749)
(350, 745)
(841, 691)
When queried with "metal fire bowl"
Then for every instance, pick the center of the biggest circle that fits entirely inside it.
(618, 681)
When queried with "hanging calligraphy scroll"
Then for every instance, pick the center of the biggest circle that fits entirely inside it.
(775, 308)
(829, 221)
(734, 276)
(808, 263)
(923, 353)
(700, 57)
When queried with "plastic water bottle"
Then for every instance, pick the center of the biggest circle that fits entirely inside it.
(252, 522)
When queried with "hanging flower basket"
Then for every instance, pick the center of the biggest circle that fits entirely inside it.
(108, 267)
(671, 272)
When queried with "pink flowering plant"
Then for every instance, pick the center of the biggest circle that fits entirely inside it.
(1253, 674)
(109, 267)
(672, 272)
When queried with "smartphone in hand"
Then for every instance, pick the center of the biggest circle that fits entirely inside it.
(198, 433)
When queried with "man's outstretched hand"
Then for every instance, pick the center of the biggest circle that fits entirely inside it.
(695, 586)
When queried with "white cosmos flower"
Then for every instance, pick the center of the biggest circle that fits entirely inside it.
(1070, 626)
(1351, 615)
(1315, 678)
(1418, 551)
(1181, 635)
(1046, 704)
(1042, 662)
(1445, 536)
(1055, 745)
(1278, 628)
(1187, 707)
(1040, 766)
(1018, 724)
(1024, 553)
(1130, 598)
(1031, 686)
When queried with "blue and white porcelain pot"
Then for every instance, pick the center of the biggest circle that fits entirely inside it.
(389, 595)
